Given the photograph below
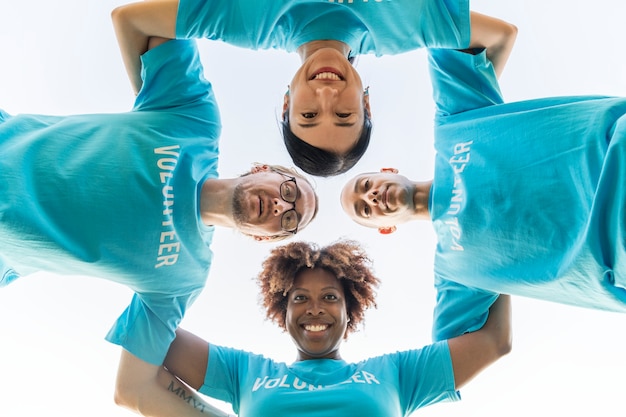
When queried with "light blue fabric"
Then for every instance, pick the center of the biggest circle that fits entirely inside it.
(380, 27)
(115, 196)
(7, 273)
(385, 386)
(527, 197)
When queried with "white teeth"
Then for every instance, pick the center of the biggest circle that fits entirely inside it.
(315, 327)
(327, 76)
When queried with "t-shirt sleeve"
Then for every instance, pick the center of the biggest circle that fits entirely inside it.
(462, 81)
(147, 327)
(459, 309)
(173, 76)
(7, 273)
(221, 379)
(426, 376)
(368, 27)
(245, 23)
(4, 116)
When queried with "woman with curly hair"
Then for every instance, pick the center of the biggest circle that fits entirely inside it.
(319, 296)
(344, 260)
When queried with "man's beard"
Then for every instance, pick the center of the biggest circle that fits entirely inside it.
(239, 214)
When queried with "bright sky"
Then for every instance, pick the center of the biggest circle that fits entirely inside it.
(61, 58)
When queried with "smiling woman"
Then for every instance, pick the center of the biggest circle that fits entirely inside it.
(317, 315)
(319, 296)
(327, 105)
(326, 117)
(329, 115)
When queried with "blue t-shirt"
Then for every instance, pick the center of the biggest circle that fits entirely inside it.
(527, 198)
(377, 27)
(385, 386)
(115, 196)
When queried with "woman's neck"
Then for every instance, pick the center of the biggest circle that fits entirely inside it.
(309, 48)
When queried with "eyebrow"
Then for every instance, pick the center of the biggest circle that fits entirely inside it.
(356, 189)
(339, 124)
(345, 124)
(356, 210)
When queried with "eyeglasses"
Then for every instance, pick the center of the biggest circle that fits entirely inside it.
(289, 193)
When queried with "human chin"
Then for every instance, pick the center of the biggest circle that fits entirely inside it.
(317, 348)
(240, 215)
(327, 57)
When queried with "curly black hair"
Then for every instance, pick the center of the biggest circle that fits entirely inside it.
(345, 259)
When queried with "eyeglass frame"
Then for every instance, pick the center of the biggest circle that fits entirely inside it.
(295, 198)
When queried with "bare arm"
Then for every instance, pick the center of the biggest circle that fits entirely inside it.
(151, 390)
(140, 27)
(188, 358)
(473, 352)
(496, 36)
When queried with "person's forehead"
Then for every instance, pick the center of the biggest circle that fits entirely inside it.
(329, 135)
(351, 184)
(307, 197)
(266, 177)
(277, 176)
(318, 276)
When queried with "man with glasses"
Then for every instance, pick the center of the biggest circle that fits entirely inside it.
(289, 192)
(134, 197)
(267, 203)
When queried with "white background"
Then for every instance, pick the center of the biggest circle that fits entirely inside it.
(61, 58)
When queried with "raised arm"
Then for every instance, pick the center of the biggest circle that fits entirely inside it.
(188, 358)
(151, 390)
(473, 352)
(140, 27)
(496, 36)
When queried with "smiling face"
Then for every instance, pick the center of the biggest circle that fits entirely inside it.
(326, 102)
(317, 316)
(379, 199)
(268, 203)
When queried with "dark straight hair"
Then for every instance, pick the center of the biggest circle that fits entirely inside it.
(321, 163)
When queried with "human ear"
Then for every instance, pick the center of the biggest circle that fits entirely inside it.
(386, 230)
(366, 105)
(285, 104)
(259, 168)
(274, 238)
(389, 170)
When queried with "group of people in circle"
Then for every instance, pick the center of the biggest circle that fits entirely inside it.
(500, 225)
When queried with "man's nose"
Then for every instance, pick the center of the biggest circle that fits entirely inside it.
(280, 206)
(372, 196)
